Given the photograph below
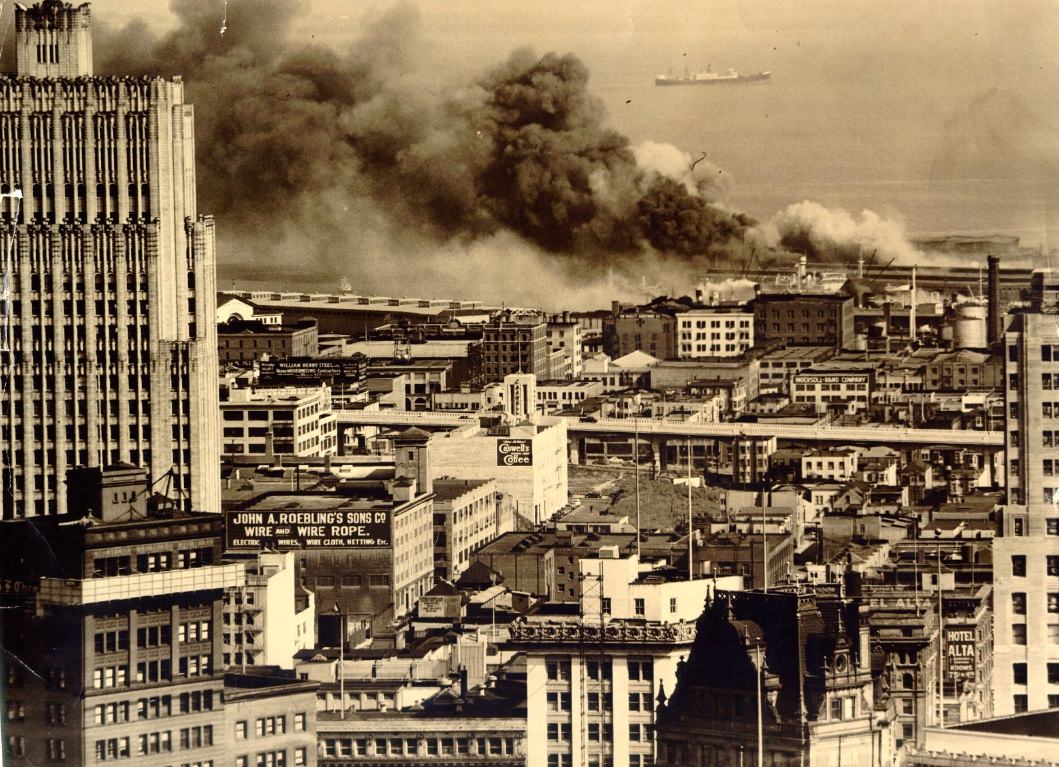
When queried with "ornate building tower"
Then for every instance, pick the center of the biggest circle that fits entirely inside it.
(108, 349)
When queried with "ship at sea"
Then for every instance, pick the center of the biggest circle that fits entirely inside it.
(708, 77)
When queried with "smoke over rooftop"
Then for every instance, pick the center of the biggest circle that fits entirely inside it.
(358, 164)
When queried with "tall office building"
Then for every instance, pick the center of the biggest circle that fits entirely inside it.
(1026, 554)
(108, 348)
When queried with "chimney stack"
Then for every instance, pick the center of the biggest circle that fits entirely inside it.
(994, 327)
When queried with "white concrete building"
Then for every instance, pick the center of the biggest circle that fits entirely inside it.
(262, 624)
(286, 421)
(467, 515)
(565, 335)
(559, 395)
(825, 385)
(529, 462)
(593, 679)
(1026, 554)
(715, 331)
(838, 464)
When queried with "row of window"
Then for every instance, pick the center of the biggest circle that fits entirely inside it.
(638, 701)
(381, 746)
(151, 671)
(153, 743)
(1018, 633)
(1018, 565)
(1019, 673)
(271, 725)
(638, 670)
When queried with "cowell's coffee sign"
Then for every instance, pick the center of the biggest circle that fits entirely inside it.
(514, 452)
(284, 530)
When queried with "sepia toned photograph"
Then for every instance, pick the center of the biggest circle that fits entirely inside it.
(567, 383)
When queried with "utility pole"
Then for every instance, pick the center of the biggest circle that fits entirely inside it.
(941, 649)
(691, 530)
(636, 469)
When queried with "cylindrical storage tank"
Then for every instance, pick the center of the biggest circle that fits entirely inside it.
(969, 329)
(946, 332)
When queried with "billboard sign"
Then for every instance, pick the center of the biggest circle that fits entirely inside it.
(960, 651)
(514, 452)
(286, 530)
(859, 378)
(337, 369)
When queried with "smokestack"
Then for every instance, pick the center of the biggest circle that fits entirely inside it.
(912, 309)
(995, 319)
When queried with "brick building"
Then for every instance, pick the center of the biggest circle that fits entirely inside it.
(249, 340)
(809, 319)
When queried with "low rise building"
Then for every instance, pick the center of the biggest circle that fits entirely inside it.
(528, 461)
(824, 319)
(365, 579)
(777, 366)
(512, 343)
(250, 340)
(467, 515)
(284, 421)
(837, 464)
(553, 396)
(269, 720)
(597, 707)
(263, 625)
(964, 369)
(714, 331)
(565, 334)
(845, 387)
(461, 724)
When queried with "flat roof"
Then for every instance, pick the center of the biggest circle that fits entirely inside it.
(450, 488)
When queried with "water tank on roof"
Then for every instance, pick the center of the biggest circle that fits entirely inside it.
(969, 327)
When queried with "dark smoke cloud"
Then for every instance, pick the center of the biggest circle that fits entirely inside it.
(353, 164)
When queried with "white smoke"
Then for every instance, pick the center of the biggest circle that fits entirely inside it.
(704, 180)
(835, 231)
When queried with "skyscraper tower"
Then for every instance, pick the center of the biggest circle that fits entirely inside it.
(107, 335)
(1026, 554)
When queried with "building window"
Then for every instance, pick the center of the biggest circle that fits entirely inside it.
(299, 722)
(1018, 603)
(1053, 602)
(1052, 564)
(639, 607)
(604, 603)
(558, 670)
(1018, 673)
(1018, 633)
(240, 729)
(1021, 703)
(1053, 673)
(594, 667)
(1018, 565)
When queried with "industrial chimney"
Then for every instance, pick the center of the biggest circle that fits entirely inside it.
(994, 325)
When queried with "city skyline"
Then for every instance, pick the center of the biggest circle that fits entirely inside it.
(631, 477)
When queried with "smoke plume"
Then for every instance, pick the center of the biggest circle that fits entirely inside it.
(358, 164)
(832, 235)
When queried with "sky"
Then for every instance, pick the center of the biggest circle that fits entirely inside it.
(863, 93)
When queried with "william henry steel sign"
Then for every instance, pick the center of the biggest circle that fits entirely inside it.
(347, 528)
(514, 452)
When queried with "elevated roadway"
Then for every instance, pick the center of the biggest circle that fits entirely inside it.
(860, 435)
